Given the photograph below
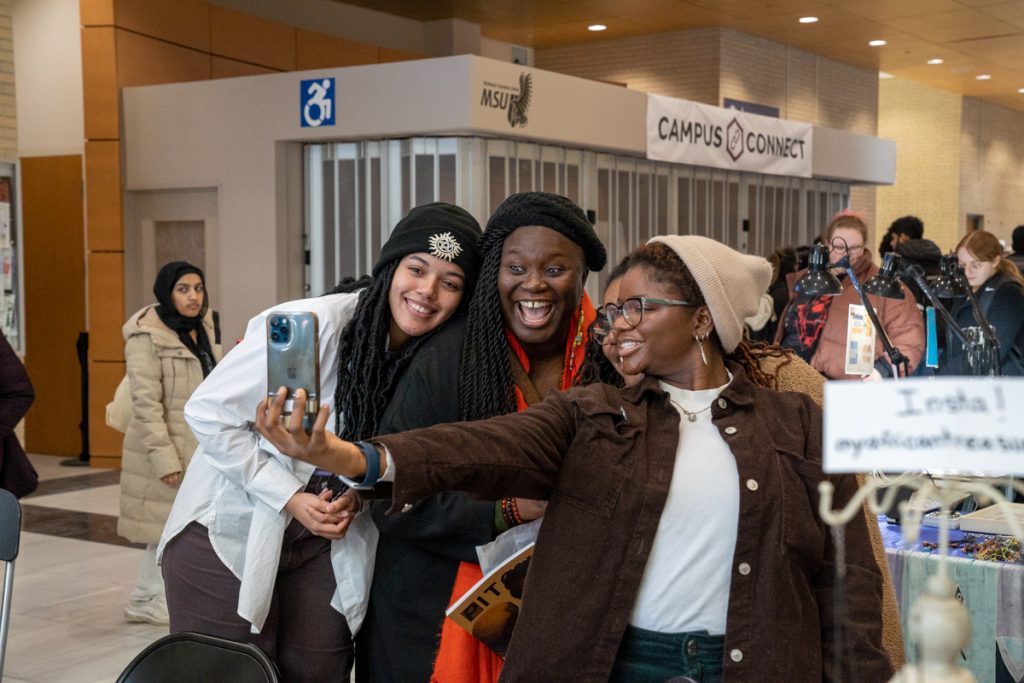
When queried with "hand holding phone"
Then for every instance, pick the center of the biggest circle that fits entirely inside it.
(293, 359)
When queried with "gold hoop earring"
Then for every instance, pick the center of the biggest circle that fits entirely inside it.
(700, 345)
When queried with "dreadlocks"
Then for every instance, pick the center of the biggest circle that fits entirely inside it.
(485, 380)
(366, 371)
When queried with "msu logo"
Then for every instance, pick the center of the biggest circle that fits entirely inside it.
(518, 105)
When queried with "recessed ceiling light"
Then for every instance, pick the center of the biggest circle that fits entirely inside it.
(983, 77)
(935, 61)
(1020, 90)
(808, 20)
(876, 43)
(596, 27)
(882, 75)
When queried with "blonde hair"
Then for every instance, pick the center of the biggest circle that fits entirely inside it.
(985, 246)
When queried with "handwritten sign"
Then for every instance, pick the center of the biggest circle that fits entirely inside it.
(957, 424)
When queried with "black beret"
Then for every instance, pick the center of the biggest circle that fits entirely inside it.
(442, 230)
(550, 211)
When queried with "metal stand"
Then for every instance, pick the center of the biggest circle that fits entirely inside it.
(900, 362)
(82, 348)
(939, 625)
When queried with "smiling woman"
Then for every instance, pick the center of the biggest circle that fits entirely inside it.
(253, 542)
(682, 510)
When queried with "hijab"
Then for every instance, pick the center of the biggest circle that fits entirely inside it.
(183, 325)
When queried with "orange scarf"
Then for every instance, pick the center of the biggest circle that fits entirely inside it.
(461, 658)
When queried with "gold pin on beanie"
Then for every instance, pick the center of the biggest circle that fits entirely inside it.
(731, 283)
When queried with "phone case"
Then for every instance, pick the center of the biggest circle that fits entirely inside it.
(293, 357)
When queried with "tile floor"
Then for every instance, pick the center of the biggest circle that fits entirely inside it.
(71, 581)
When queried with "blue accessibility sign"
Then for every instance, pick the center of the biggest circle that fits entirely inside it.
(316, 101)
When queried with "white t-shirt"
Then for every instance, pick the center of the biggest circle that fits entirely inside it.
(685, 586)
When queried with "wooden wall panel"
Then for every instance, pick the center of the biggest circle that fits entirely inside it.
(229, 68)
(99, 83)
(103, 441)
(96, 12)
(385, 54)
(106, 305)
(183, 22)
(147, 61)
(246, 38)
(54, 268)
(103, 195)
(319, 51)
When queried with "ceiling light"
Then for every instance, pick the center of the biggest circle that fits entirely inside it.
(876, 43)
(935, 61)
(1020, 90)
(882, 75)
(808, 20)
(983, 77)
(596, 27)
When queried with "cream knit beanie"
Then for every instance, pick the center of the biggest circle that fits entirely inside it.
(732, 283)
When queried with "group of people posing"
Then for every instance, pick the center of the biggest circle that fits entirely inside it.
(470, 385)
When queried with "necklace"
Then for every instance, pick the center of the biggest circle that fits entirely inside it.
(691, 415)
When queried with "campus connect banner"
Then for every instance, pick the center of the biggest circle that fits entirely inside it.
(686, 132)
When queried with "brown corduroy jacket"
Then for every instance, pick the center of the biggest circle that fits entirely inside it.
(604, 458)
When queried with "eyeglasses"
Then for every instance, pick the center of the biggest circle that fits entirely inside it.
(632, 311)
(852, 250)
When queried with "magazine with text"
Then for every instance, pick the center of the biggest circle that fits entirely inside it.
(488, 611)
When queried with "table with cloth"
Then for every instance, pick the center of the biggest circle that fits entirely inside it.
(993, 593)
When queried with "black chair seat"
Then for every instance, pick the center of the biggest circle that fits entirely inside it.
(182, 657)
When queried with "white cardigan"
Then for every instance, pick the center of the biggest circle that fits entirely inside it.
(237, 483)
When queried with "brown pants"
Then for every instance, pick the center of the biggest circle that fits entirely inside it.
(306, 637)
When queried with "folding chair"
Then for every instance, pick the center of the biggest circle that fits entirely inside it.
(10, 540)
(196, 657)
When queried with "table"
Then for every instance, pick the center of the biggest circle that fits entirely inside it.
(993, 593)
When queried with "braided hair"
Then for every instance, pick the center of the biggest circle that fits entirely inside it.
(366, 370)
(666, 266)
(485, 379)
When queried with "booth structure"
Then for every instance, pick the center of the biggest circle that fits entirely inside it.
(279, 185)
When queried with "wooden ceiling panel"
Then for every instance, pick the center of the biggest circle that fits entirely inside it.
(947, 27)
(883, 10)
(1010, 12)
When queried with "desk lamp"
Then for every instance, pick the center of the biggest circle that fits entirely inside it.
(819, 281)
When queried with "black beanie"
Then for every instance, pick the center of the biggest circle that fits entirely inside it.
(556, 213)
(442, 230)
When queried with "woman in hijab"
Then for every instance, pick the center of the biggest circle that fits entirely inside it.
(169, 348)
(681, 538)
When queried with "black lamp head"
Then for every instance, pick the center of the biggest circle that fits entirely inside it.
(951, 283)
(818, 280)
(885, 284)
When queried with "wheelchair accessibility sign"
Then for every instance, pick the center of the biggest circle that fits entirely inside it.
(316, 99)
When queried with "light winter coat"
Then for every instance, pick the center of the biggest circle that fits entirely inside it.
(163, 373)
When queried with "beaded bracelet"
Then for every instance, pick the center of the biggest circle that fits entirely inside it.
(510, 512)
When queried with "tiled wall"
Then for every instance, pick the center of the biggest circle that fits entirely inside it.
(683, 65)
(925, 123)
(992, 165)
(8, 118)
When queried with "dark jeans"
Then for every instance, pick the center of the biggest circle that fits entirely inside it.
(306, 637)
(651, 657)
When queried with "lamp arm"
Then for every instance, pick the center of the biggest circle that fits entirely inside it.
(916, 273)
(895, 356)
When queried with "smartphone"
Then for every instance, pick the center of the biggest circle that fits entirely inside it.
(293, 358)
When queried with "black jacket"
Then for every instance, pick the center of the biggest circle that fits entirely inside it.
(1001, 299)
(16, 395)
(419, 550)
